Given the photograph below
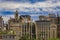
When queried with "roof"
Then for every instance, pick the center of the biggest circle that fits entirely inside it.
(43, 21)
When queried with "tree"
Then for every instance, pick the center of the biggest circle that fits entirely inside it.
(25, 37)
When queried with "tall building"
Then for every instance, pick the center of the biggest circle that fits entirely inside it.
(15, 25)
(22, 25)
(28, 27)
(45, 29)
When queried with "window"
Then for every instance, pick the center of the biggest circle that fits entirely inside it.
(0, 37)
(10, 36)
(13, 37)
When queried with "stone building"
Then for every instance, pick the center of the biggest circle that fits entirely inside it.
(58, 25)
(52, 18)
(15, 25)
(45, 29)
(21, 25)
(28, 27)
(1, 23)
(56, 19)
(7, 37)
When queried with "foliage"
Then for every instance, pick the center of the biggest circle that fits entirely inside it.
(33, 38)
(54, 39)
(7, 32)
(26, 37)
(39, 38)
(1, 32)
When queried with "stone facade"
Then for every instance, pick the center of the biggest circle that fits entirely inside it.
(58, 25)
(1, 23)
(22, 25)
(7, 37)
(15, 25)
(45, 29)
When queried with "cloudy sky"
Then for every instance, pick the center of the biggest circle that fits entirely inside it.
(29, 7)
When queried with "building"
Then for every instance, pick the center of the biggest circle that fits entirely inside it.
(15, 25)
(52, 18)
(45, 29)
(52, 15)
(28, 27)
(56, 19)
(22, 25)
(1, 23)
(58, 26)
(7, 35)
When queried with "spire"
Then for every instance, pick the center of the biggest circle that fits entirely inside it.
(16, 15)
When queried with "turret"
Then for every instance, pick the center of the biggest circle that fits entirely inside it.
(16, 15)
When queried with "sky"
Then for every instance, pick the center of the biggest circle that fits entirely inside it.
(34, 8)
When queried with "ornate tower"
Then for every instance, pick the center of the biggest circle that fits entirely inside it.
(16, 15)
